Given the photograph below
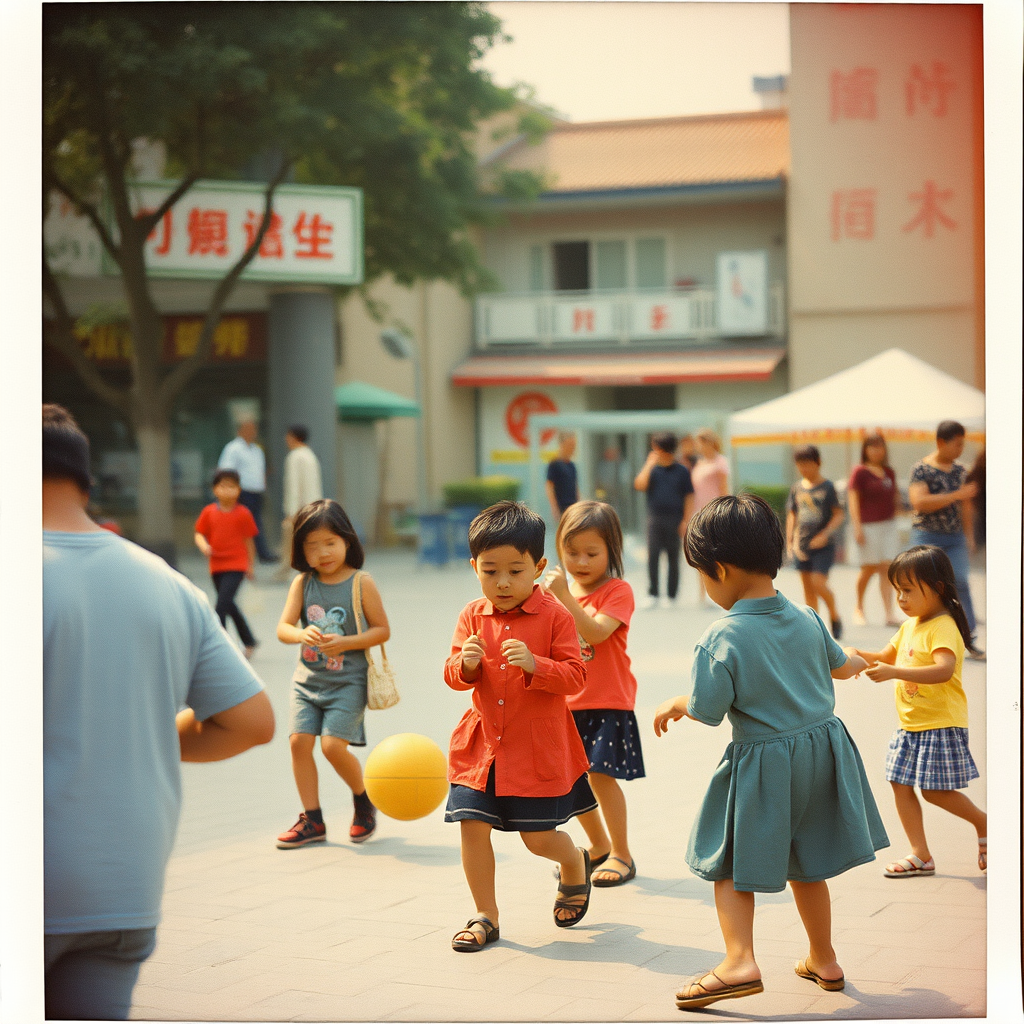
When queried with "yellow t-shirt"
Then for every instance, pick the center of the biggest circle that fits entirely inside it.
(929, 705)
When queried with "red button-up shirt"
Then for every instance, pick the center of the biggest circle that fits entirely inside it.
(518, 720)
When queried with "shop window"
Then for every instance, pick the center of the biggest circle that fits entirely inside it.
(650, 263)
(572, 266)
(610, 269)
(536, 268)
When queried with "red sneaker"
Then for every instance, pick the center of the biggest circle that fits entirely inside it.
(302, 832)
(364, 824)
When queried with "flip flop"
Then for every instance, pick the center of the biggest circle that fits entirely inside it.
(566, 891)
(596, 862)
(983, 854)
(474, 944)
(828, 984)
(707, 996)
(620, 879)
(909, 866)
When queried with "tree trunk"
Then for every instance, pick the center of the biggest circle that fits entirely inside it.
(156, 509)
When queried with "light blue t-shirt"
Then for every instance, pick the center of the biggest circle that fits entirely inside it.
(127, 643)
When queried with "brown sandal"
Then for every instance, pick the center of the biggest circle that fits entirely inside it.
(566, 892)
(472, 944)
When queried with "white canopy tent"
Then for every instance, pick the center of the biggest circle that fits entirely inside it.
(896, 393)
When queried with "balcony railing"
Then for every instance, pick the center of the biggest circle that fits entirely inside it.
(624, 318)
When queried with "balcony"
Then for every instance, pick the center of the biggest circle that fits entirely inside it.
(606, 318)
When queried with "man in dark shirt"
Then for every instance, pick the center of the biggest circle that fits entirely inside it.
(562, 487)
(669, 506)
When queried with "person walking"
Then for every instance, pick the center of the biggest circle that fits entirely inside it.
(710, 476)
(127, 642)
(941, 498)
(872, 500)
(302, 484)
(562, 485)
(246, 458)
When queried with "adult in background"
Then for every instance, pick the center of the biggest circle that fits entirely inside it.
(669, 493)
(127, 642)
(687, 452)
(977, 476)
(710, 476)
(562, 484)
(872, 500)
(941, 497)
(302, 484)
(246, 458)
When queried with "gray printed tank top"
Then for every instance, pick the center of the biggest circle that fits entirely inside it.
(329, 607)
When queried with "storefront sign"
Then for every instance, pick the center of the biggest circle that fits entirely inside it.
(743, 293)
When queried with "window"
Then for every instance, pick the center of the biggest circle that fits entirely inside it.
(572, 266)
(650, 263)
(610, 258)
(536, 268)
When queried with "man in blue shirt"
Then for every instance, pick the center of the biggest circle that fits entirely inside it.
(669, 507)
(246, 458)
(138, 675)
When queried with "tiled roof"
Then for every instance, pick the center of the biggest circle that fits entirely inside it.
(658, 152)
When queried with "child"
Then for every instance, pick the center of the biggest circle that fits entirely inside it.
(589, 544)
(669, 505)
(813, 514)
(516, 762)
(929, 750)
(329, 684)
(224, 534)
(790, 801)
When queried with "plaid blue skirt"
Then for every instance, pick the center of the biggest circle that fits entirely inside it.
(611, 739)
(930, 759)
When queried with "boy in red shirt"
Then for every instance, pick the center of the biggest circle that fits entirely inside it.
(224, 533)
(516, 762)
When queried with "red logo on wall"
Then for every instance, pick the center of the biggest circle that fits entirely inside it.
(519, 411)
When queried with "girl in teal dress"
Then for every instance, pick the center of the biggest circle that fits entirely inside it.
(789, 802)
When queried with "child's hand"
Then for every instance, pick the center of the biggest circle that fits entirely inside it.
(669, 711)
(312, 637)
(880, 672)
(472, 652)
(855, 660)
(331, 644)
(819, 540)
(798, 553)
(250, 575)
(556, 582)
(518, 654)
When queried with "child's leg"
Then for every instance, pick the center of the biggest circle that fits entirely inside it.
(673, 547)
(344, 762)
(887, 592)
(304, 770)
(863, 578)
(593, 825)
(478, 864)
(819, 581)
(653, 557)
(227, 588)
(810, 592)
(815, 908)
(961, 805)
(558, 846)
(612, 802)
(909, 809)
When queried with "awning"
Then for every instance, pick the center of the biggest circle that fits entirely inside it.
(619, 368)
(360, 401)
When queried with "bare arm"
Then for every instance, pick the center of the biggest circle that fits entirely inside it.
(226, 733)
(644, 476)
(967, 515)
(820, 539)
(671, 711)
(687, 514)
(549, 489)
(921, 500)
(593, 628)
(853, 504)
(203, 544)
(250, 550)
(288, 630)
(941, 672)
(853, 665)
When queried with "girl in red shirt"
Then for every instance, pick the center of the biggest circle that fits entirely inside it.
(589, 542)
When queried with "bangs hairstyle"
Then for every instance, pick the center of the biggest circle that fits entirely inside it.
(511, 523)
(740, 530)
(226, 474)
(807, 453)
(869, 440)
(949, 429)
(328, 515)
(600, 517)
(928, 565)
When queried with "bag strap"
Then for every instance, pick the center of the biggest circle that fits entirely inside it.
(302, 602)
(357, 611)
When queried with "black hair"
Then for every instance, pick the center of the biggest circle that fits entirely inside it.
(666, 441)
(299, 432)
(600, 517)
(737, 529)
(329, 515)
(869, 441)
(508, 522)
(65, 447)
(807, 453)
(226, 474)
(929, 565)
(949, 429)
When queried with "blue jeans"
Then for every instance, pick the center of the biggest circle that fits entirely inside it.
(253, 501)
(90, 975)
(955, 546)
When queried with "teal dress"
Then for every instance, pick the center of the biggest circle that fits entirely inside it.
(790, 799)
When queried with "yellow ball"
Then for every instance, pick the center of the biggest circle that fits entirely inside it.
(406, 776)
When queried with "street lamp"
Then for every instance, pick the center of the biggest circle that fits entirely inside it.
(401, 346)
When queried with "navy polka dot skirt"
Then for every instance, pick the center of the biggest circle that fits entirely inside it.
(611, 739)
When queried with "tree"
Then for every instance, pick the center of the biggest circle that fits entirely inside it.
(383, 96)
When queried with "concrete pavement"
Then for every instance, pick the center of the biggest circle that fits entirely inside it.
(338, 932)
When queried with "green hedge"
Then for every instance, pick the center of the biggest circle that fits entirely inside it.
(481, 491)
(774, 494)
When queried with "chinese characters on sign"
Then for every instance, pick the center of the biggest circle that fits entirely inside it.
(853, 95)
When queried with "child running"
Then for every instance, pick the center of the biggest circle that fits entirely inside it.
(589, 544)
(789, 801)
(329, 684)
(224, 534)
(929, 750)
(516, 762)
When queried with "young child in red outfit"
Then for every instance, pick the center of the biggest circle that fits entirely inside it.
(589, 543)
(224, 533)
(516, 762)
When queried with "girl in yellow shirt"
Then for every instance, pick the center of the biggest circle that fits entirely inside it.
(925, 657)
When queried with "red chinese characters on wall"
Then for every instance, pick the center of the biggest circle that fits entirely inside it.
(853, 95)
(164, 229)
(930, 212)
(928, 90)
(582, 321)
(659, 317)
(207, 232)
(853, 213)
(272, 245)
(314, 237)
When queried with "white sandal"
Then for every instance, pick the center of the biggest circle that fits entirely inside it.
(909, 866)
